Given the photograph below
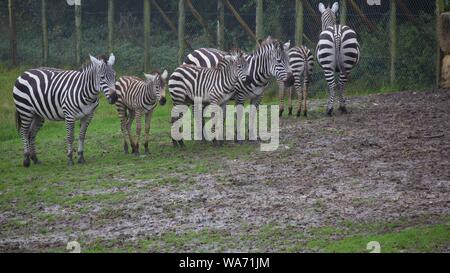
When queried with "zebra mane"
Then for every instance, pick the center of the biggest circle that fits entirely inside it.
(223, 62)
(88, 63)
(268, 42)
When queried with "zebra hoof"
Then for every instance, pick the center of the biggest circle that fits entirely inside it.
(305, 114)
(70, 162)
(298, 114)
(290, 111)
(125, 149)
(181, 143)
(147, 151)
(35, 160)
(26, 162)
(81, 158)
(281, 113)
(240, 142)
(343, 110)
(330, 112)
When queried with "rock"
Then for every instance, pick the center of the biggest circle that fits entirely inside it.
(445, 72)
(444, 34)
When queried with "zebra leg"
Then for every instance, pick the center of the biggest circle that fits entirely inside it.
(25, 124)
(298, 89)
(175, 142)
(281, 97)
(305, 99)
(35, 126)
(218, 132)
(331, 85)
(84, 123)
(239, 117)
(289, 90)
(342, 106)
(128, 127)
(138, 133)
(253, 116)
(148, 118)
(70, 124)
(121, 109)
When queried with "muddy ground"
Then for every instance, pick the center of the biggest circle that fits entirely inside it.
(388, 159)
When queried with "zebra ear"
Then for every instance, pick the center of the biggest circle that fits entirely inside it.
(287, 45)
(335, 7)
(164, 75)
(111, 59)
(150, 77)
(321, 8)
(95, 61)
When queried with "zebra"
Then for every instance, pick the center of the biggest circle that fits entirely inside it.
(269, 59)
(135, 98)
(56, 94)
(301, 61)
(338, 51)
(213, 86)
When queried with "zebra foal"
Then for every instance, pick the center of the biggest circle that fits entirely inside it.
(137, 98)
(301, 62)
(56, 94)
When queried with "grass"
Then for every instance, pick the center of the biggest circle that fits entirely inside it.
(111, 177)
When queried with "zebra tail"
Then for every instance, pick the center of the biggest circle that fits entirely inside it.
(339, 61)
(18, 121)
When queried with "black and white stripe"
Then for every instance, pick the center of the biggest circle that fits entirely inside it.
(214, 86)
(301, 61)
(137, 98)
(338, 51)
(270, 59)
(55, 94)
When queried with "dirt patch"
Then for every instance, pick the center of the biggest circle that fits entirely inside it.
(388, 159)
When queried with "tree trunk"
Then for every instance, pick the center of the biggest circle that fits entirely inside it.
(78, 34)
(239, 19)
(343, 8)
(220, 25)
(12, 33)
(146, 35)
(298, 22)
(44, 33)
(259, 20)
(110, 25)
(393, 38)
(181, 31)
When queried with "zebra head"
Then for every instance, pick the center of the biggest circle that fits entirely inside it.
(159, 82)
(105, 76)
(328, 15)
(278, 63)
(237, 59)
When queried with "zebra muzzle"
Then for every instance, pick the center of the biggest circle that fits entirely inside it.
(162, 100)
(112, 98)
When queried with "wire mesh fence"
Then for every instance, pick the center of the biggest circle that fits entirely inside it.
(414, 26)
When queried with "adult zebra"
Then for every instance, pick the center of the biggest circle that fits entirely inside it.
(338, 51)
(269, 59)
(55, 94)
(215, 86)
(301, 61)
(135, 98)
